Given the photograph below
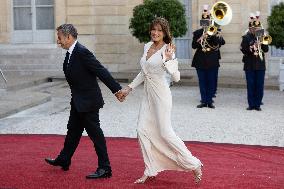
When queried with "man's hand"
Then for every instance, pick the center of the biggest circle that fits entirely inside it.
(199, 40)
(120, 96)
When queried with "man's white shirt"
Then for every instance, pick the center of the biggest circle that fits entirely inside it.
(70, 50)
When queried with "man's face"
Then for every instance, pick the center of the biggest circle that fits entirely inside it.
(64, 41)
(252, 30)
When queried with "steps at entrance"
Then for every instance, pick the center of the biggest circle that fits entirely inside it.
(31, 59)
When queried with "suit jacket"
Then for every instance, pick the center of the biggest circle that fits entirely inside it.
(81, 74)
(206, 60)
(252, 62)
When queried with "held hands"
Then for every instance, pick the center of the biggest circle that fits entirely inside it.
(121, 95)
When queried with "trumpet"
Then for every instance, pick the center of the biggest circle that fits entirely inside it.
(266, 39)
(211, 30)
(262, 38)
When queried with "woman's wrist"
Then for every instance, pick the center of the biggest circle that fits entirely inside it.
(168, 58)
(128, 88)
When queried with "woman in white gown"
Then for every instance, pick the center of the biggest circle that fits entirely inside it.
(162, 149)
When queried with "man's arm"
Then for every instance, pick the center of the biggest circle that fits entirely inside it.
(93, 65)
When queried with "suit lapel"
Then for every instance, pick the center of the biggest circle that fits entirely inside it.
(72, 59)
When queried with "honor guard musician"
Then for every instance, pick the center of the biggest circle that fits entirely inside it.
(207, 42)
(253, 46)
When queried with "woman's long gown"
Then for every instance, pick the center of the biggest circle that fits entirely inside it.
(162, 149)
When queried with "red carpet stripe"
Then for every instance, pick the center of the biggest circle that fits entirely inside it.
(225, 165)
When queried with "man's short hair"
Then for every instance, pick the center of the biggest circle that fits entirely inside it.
(67, 29)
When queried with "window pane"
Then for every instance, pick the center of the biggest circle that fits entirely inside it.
(183, 51)
(44, 2)
(44, 18)
(22, 2)
(22, 18)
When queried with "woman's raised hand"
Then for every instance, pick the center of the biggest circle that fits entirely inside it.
(170, 49)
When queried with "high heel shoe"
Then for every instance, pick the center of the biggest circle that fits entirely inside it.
(144, 179)
(198, 174)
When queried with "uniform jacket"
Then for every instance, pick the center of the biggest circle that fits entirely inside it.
(206, 60)
(252, 62)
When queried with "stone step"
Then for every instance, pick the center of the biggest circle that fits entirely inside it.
(21, 67)
(13, 102)
(31, 59)
(52, 55)
(230, 47)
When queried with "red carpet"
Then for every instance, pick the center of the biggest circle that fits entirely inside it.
(225, 166)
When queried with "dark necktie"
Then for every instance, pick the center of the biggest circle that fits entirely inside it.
(67, 58)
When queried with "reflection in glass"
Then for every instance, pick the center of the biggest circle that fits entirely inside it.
(44, 2)
(44, 18)
(21, 2)
(22, 18)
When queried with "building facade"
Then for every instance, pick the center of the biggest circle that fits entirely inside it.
(103, 26)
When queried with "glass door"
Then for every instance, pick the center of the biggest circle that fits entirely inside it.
(183, 44)
(33, 21)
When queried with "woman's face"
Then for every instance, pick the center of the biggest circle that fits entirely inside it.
(157, 33)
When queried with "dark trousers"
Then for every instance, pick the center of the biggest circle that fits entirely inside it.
(216, 81)
(78, 121)
(255, 86)
(207, 81)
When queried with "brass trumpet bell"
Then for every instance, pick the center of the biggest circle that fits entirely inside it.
(221, 13)
(211, 30)
(266, 40)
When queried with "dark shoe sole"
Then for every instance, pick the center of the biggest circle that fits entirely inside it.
(107, 175)
(64, 168)
(211, 106)
(201, 106)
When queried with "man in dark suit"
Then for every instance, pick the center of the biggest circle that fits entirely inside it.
(254, 64)
(206, 63)
(81, 69)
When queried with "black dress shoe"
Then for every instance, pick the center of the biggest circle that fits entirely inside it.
(202, 105)
(257, 109)
(211, 106)
(250, 108)
(100, 173)
(55, 162)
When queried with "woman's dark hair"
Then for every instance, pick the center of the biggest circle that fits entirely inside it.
(165, 27)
